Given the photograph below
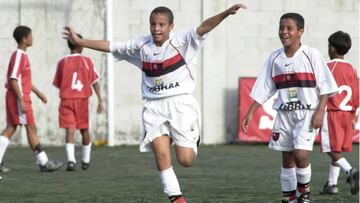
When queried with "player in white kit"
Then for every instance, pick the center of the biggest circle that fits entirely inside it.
(171, 114)
(303, 82)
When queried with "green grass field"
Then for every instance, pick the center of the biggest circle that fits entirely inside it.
(224, 173)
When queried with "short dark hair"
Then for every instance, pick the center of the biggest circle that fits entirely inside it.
(341, 42)
(21, 32)
(71, 45)
(164, 10)
(300, 22)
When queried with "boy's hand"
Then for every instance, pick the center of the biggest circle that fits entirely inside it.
(42, 97)
(317, 119)
(100, 108)
(70, 34)
(23, 106)
(245, 122)
(232, 10)
(353, 121)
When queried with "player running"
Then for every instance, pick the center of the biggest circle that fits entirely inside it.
(171, 114)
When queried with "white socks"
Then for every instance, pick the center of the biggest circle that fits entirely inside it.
(334, 172)
(86, 151)
(169, 182)
(288, 183)
(41, 158)
(70, 152)
(4, 142)
(303, 176)
(288, 179)
(344, 165)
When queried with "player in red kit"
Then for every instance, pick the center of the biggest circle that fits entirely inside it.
(338, 127)
(74, 77)
(18, 102)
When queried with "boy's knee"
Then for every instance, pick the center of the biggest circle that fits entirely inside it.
(185, 161)
(302, 159)
(84, 131)
(163, 157)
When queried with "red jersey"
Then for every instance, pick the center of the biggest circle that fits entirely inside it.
(347, 80)
(74, 76)
(20, 70)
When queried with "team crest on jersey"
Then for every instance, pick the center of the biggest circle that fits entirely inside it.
(275, 136)
(159, 82)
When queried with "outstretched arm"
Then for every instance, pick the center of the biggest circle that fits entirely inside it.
(212, 22)
(100, 45)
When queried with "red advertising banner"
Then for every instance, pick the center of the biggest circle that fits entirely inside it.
(263, 119)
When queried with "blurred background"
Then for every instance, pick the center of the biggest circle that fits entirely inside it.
(236, 48)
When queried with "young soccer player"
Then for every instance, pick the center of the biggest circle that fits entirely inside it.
(303, 82)
(74, 77)
(338, 127)
(171, 114)
(18, 101)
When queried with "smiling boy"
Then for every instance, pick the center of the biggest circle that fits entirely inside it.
(303, 82)
(171, 115)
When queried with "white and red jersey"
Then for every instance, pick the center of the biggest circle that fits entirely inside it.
(19, 69)
(167, 70)
(299, 80)
(347, 79)
(74, 76)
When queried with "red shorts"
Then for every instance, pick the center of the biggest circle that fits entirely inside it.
(14, 115)
(337, 132)
(74, 113)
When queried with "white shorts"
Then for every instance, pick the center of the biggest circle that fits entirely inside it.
(292, 130)
(176, 116)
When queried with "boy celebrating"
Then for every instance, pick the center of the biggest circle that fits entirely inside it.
(338, 127)
(171, 114)
(74, 77)
(18, 101)
(303, 82)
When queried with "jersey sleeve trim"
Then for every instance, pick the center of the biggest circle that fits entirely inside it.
(15, 70)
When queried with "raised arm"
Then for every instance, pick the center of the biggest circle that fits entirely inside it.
(100, 45)
(212, 22)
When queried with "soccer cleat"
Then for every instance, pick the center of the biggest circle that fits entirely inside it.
(329, 189)
(304, 198)
(353, 181)
(4, 169)
(71, 166)
(177, 199)
(84, 165)
(51, 166)
(286, 200)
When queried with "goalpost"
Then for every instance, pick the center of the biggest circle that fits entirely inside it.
(110, 78)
